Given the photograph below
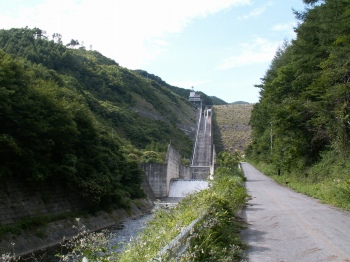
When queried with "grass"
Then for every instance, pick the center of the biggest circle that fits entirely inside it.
(216, 237)
(165, 226)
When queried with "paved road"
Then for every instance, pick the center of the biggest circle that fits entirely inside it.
(287, 226)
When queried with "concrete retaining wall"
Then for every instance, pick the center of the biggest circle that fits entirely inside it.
(19, 200)
(200, 172)
(52, 234)
(173, 166)
(157, 178)
(185, 172)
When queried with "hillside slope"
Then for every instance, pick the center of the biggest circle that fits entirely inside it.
(76, 118)
(231, 127)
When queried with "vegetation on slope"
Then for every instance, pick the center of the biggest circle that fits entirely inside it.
(49, 134)
(231, 127)
(301, 124)
(76, 118)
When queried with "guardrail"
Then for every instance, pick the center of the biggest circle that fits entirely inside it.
(177, 246)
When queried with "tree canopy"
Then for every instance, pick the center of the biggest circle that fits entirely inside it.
(304, 101)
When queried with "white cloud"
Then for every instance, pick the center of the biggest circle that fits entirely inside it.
(129, 31)
(287, 28)
(256, 11)
(282, 27)
(260, 50)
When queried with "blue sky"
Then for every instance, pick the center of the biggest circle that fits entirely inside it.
(220, 47)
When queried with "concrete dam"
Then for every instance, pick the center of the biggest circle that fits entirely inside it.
(175, 180)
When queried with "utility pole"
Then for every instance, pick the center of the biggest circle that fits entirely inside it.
(271, 138)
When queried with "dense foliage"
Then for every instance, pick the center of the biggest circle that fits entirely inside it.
(49, 134)
(305, 101)
(301, 125)
(76, 118)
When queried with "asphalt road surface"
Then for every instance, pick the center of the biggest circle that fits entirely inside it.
(287, 226)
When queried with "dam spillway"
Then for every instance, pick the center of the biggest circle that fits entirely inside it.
(202, 152)
(183, 187)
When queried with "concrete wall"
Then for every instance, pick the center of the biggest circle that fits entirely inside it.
(173, 165)
(200, 172)
(185, 172)
(147, 188)
(19, 200)
(157, 178)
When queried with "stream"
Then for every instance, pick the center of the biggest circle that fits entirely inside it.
(123, 233)
(130, 228)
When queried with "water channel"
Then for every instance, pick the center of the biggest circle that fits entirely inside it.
(128, 230)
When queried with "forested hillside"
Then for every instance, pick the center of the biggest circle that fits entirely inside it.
(301, 124)
(74, 117)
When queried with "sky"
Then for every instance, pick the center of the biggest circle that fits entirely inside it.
(220, 47)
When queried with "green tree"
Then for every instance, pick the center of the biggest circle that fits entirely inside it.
(73, 43)
(304, 94)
